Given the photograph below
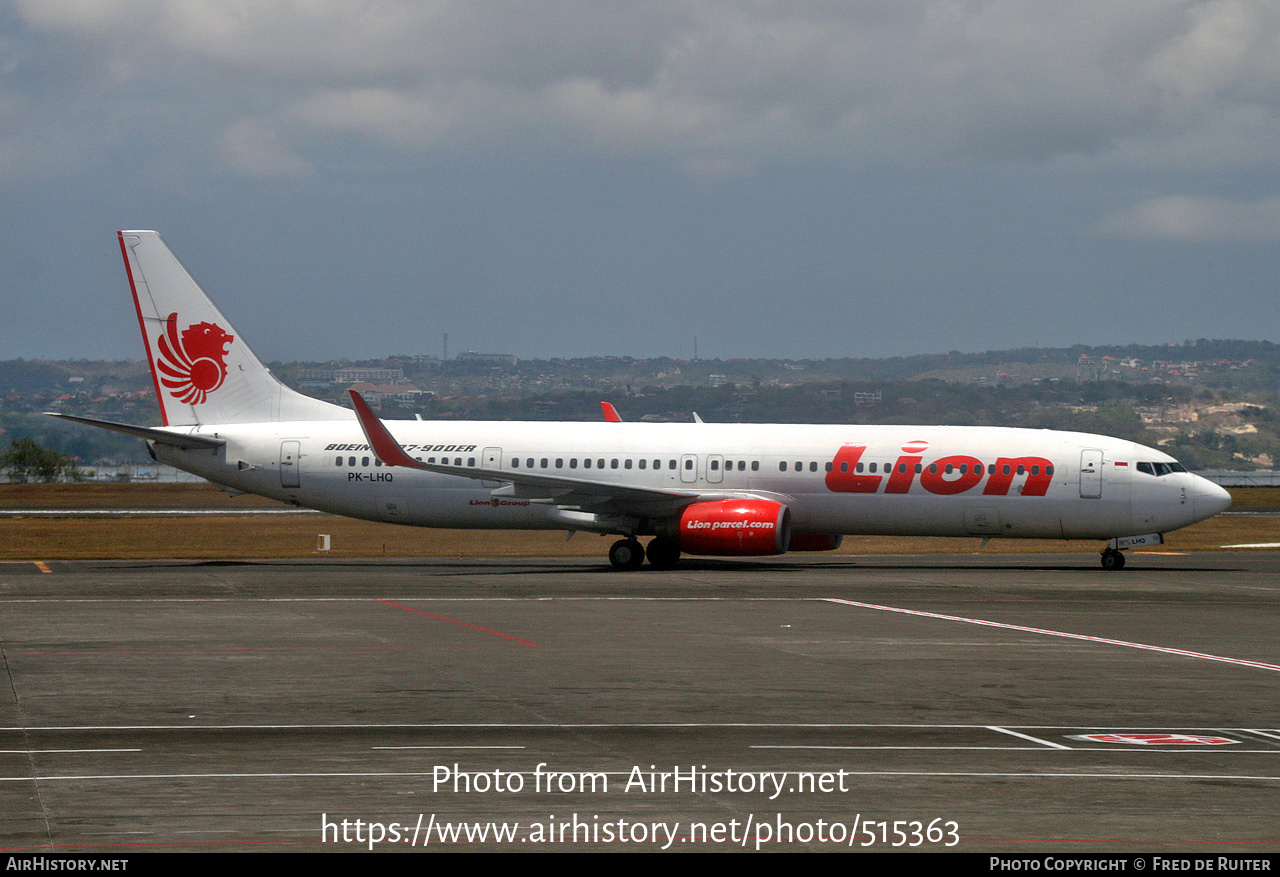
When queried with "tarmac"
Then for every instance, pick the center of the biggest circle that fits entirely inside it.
(1000, 703)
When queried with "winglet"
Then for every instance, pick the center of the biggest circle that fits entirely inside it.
(610, 413)
(382, 442)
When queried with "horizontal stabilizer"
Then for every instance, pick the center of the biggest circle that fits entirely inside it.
(185, 441)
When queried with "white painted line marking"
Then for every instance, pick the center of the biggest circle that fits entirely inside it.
(1043, 632)
(914, 748)
(1092, 750)
(1272, 734)
(1027, 737)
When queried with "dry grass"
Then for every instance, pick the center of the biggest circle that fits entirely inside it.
(295, 537)
(107, 495)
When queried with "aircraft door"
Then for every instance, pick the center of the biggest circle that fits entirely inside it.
(689, 468)
(290, 452)
(1090, 473)
(715, 467)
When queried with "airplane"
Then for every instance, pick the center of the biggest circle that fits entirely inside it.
(725, 490)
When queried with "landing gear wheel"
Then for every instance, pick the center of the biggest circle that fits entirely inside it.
(1112, 559)
(663, 553)
(626, 554)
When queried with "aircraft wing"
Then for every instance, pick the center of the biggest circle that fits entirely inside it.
(553, 489)
(185, 441)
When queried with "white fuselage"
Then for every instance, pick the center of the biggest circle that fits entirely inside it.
(838, 479)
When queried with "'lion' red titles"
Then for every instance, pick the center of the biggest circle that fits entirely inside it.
(946, 476)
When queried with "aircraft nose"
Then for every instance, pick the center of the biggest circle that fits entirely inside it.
(1208, 499)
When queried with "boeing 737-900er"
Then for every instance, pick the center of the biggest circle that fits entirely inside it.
(695, 488)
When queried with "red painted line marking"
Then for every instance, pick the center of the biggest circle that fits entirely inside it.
(1093, 639)
(463, 623)
(198, 651)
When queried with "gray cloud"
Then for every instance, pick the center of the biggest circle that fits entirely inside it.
(744, 82)
(1199, 220)
(564, 160)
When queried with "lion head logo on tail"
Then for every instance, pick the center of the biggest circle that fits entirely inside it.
(195, 364)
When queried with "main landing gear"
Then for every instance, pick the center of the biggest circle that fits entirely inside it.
(663, 553)
(1112, 559)
(626, 554)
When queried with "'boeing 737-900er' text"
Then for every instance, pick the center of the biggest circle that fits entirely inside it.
(696, 488)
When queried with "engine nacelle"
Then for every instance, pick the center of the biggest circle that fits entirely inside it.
(735, 528)
(814, 542)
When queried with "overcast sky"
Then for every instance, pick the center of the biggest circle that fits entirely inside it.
(551, 178)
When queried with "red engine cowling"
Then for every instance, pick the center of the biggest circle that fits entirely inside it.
(735, 528)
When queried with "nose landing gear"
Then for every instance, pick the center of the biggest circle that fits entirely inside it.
(1112, 559)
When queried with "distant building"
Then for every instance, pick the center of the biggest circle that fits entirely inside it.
(402, 394)
(506, 359)
(352, 375)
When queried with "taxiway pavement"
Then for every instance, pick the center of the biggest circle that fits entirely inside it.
(1034, 702)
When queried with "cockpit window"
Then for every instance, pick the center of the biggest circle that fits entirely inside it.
(1158, 469)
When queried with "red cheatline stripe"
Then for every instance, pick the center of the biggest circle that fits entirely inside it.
(463, 623)
(1093, 639)
(142, 324)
